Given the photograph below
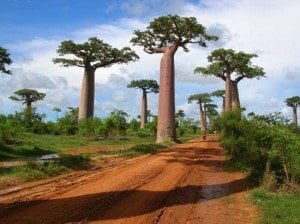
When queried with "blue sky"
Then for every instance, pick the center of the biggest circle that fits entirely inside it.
(33, 29)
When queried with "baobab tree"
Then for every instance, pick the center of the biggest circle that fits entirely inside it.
(27, 96)
(294, 102)
(227, 64)
(180, 116)
(202, 99)
(147, 86)
(57, 110)
(211, 112)
(90, 56)
(220, 93)
(4, 60)
(165, 35)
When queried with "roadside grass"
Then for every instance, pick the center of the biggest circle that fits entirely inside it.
(36, 171)
(277, 208)
(137, 150)
(31, 145)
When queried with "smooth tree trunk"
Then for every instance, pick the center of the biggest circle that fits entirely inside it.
(144, 109)
(223, 105)
(235, 96)
(166, 105)
(202, 119)
(228, 93)
(86, 108)
(295, 118)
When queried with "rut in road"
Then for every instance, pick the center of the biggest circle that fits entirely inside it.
(184, 184)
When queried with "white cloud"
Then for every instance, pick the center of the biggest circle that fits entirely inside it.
(269, 29)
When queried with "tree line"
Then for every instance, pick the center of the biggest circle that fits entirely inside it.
(164, 35)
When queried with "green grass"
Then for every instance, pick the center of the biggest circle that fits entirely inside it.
(36, 145)
(277, 208)
(136, 150)
(33, 171)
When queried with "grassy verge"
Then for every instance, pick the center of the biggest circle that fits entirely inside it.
(277, 208)
(137, 150)
(37, 145)
(33, 171)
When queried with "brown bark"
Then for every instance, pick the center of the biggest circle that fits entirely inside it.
(235, 96)
(86, 108)
(295, 119)
(166, 107)
(228, 93)
(144, 109)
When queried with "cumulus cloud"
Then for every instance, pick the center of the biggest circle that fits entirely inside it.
(263, 27)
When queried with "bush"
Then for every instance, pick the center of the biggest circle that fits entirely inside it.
(262, 145)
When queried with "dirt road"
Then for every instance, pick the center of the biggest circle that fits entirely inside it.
(184, 184)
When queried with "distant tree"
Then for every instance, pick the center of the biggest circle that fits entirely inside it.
(90, 56)
(4, 60)
(147, 86)
(294, 102)
(28, 96)
(211, 112)
(57, 110)
(180, 116)
(202, 99)
(220, 93)
(224, 63)
(165, 35)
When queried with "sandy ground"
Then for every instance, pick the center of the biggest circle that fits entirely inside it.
(184, 184)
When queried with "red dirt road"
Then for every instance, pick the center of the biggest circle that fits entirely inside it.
(184, 184)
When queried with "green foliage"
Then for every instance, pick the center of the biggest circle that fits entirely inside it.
(277, 208)
(171, 30)
(293, 101)
(93, 54)
(218, 93)
(228, 61)
(28, 96)
(200, 98)
(262, 145)
(4, 60)
(147, 85)
(68, 124)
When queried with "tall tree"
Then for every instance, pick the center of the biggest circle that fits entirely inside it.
(27, 96)
(294, 102)
(4, 60)
(147, 86)
(180, 116)
(211, 112)
(245, 69)
(202, 99)
(227, 64)
(90, 56)
(165, 35)
(57, 110)
(220, 93)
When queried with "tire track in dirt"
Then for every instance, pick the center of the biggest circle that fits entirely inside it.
(185, 184)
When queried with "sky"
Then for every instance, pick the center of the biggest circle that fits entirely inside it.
(32, 30)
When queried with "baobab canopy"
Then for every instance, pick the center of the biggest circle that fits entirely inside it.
(171, 30)
(4, 60)
(91, 55)
(94, 53)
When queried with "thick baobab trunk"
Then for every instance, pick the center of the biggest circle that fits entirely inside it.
(228, 93)
(235, 96)
(144, 109)
(166, 107)
(86, 108)
(202, 119)
(295, 119)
